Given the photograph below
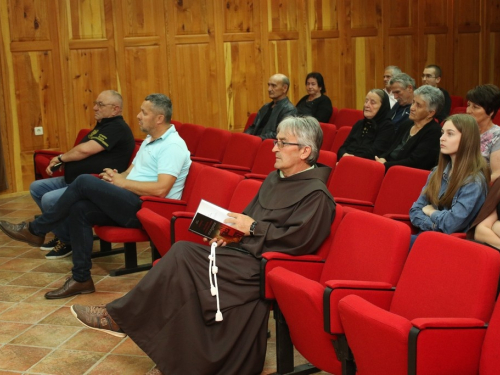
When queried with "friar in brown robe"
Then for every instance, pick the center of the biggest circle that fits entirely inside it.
(170, 314)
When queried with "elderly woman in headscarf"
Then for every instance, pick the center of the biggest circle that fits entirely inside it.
(374, 134)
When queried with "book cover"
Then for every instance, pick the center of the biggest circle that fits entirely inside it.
(208, 222)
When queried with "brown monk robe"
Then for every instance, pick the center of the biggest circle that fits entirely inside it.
(170, 314)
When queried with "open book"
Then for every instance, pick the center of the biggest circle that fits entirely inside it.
(208, 221)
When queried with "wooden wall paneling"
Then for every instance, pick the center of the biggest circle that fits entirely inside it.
(491, 11)
(91, 63)
(436, 40)
(366, 38)
(7, 104)
(142, 60)
(242, 62)
(400, 19)
(29, 20)
(467, 48)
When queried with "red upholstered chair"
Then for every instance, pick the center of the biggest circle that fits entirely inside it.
(496, 119)
(191, 133)
(356, 182)
(329, 132)
(309, 266)
(212, 146)
(130, 236)
(366, 258)
(263, 163)
(333, 117)
(42, 158)
(490, 360)
(240, 153)
(456, 110)
(400, 188)
(250, 120)
(340, 137)
(177, 124)
(446, 284)
(348, 117)
(457, 101)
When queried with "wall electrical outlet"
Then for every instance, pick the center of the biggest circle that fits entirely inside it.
(38, 130)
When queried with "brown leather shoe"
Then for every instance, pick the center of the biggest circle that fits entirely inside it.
(97, 317)
(20, 232)
(71, 288)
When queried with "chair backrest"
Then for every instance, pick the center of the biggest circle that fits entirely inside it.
(214, 185)
(329, 132)
(251, 118)
(177, 124)
(244, 192)
(328, 158)
(81, 134)
(367, 247)
(191, 133)
(194, 172)
(137, 146)
(496, 119)
(265, 158)
(400, 188)
(357, 178)
(490, 360)
(333, 117)
(456, 101)
(447, 277)
(213, 143)
(324, 249)
(456, 110)
(348, 117)
(340, 137)
(241, 150)
(157, 228)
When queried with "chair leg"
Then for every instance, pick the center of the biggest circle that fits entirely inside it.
(130, 262)
(105, 250)
(344, 355)
(284, 349)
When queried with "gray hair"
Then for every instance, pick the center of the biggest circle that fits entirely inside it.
(117, 97)
(404, 79)
(161, 105)
(307, 131)
(379, 92)
(432, 96)
(394, 69)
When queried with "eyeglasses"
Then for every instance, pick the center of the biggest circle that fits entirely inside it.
(282, 144)
(427, 76)
(101, 104)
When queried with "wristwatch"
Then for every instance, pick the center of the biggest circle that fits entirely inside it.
(252, 228)
(59, 157)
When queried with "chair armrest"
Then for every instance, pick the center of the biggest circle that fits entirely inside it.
(256, 176)
(445, 345)
(163, 206)
(47, 152)
(404, 219)
(233, 168)
(309, 266)
(356, 203)
(377, 293)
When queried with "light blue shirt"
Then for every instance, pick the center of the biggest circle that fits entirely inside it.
(167, 154)
(464, 207)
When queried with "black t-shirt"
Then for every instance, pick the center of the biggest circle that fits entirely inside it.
(118, 141)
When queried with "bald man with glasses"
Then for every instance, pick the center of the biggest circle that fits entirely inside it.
(110, 144)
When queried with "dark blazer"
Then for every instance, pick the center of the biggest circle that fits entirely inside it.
(421, 151)
(282, 109)
(445, 111)
(321, 108)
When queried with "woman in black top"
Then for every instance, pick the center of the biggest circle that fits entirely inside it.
(374, 134)
(315, 104)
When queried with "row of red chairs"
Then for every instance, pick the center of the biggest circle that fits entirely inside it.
(425, 314)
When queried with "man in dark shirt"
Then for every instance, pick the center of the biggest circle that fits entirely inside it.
(110, 144)
(271, 114)
(432, 76)
(402, 87)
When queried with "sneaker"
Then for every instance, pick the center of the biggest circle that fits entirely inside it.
(61, 250)
(47, 246)
(97, 317)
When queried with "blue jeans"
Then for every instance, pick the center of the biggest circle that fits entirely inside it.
(46, 193)
(89, 201)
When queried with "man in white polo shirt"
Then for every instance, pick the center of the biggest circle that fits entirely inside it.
(159, 169)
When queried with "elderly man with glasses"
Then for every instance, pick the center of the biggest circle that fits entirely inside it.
(172, 313)
(109, 145)
(432, 76)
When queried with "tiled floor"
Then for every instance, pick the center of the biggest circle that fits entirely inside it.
(39, 336)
